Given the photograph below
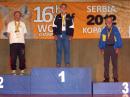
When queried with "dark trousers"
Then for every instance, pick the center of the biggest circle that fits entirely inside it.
(17, 50)
(109, 53)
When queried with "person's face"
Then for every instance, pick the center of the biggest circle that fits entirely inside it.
(63, 9)
(17, 16)
(109, 22)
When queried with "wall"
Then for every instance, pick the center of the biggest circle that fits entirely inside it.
(84, 53)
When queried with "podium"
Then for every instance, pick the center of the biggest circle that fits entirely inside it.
(50, 82)
(61, 81)
(112, 89)
(14, 84)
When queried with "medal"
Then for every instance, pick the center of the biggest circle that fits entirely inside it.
(17, 24)
(63, 20)
(109, 32)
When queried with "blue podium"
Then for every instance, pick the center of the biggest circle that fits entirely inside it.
(15, 84)
(49, 82)
(113, 89)
(61, 81)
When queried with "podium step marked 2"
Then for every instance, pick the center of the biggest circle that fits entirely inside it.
(15, 84)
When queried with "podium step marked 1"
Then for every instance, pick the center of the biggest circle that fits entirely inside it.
(61, 81)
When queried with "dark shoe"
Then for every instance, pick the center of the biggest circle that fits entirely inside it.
(115, 80)
(58, 65)
(106, 80)
(67, 65)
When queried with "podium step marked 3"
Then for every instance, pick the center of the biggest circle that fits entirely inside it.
(111, 88)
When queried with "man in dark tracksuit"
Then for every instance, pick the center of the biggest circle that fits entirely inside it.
(63, 28)
(110, 42)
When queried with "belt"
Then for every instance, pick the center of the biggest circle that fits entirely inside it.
(110, 44)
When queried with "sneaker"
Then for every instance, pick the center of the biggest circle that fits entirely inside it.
(58, 65)
(106, 80)
(14, 72)
(22, 72)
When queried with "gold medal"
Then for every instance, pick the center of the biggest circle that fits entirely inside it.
(17, 25)
(63, 20)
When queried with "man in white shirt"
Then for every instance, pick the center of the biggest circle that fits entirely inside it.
(16, 30)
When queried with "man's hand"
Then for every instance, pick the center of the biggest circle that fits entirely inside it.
(117, 50)
(70, 37)
(6, 34)
(102, 51)
(55, 37)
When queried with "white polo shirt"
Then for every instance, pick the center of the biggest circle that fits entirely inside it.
(16, 37)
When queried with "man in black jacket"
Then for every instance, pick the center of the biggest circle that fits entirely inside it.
(63, 29)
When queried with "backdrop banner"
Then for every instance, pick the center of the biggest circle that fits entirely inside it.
(89, 18)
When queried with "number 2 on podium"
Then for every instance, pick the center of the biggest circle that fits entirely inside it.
(62, 76)
(1, 82)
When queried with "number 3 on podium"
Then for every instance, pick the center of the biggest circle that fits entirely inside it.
(126, 88)
(62, 76)
(1, 82)
(125, 91)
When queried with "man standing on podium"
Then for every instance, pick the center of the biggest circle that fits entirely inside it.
(16, 30)
(63, 29)
(110, 42)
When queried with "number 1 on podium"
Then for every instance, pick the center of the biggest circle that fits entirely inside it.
(62, 76)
